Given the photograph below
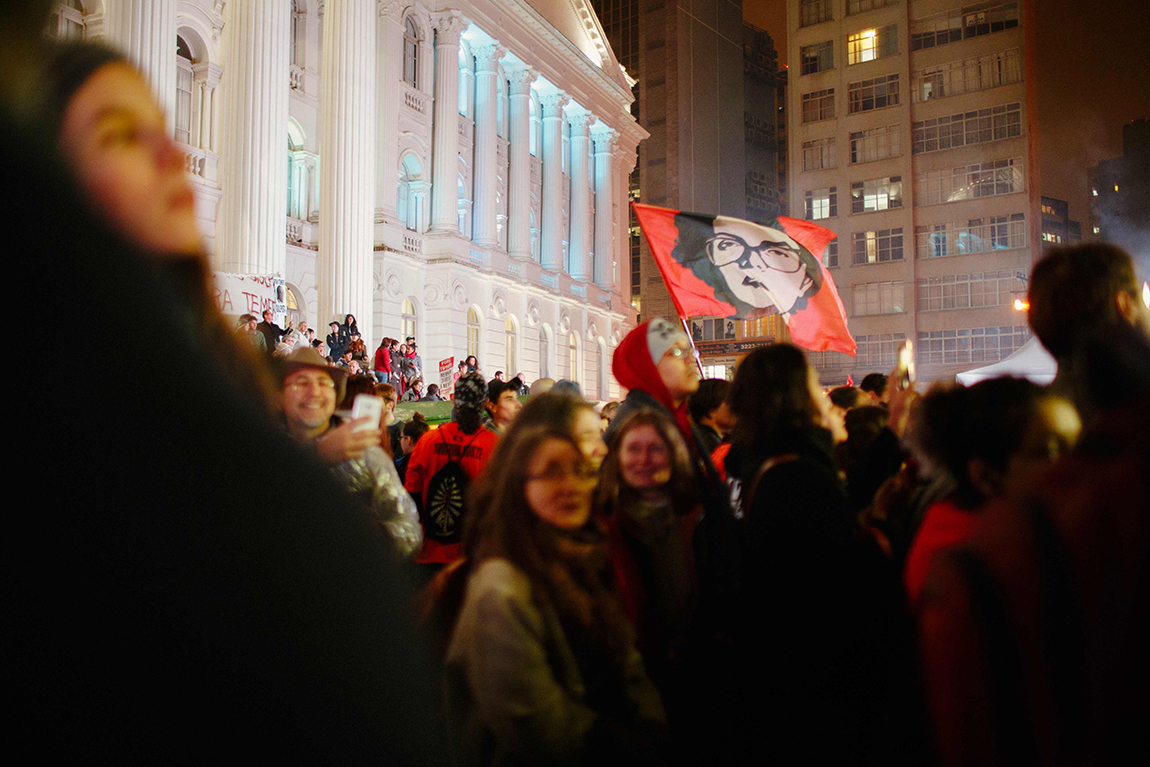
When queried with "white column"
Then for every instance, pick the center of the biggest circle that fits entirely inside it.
(519, 175)
(603, 271)
(145, 31)
(445, 136)
(551, 244)
(486, 108)
(208, 78)
(388, 87)
(580, 239)
(347, 163)
(253, 167)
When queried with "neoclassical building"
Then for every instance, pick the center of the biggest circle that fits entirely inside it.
(452, 170)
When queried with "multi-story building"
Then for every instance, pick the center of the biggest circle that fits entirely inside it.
(1057, 228)
(912, 137)
(688, 62)
(1120, 194)
(454, 171)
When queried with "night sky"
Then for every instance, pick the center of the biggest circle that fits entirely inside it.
(1093, 76)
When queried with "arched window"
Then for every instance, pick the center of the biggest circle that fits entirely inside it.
(407, 313)
(183, 91)
(472, 332)
(534, 236)
(410, 52)
(464, 207)
(545, 352)
(66, 21)
(573, 363)
(294, 31)
(296, 308)
(510, 357)
(604, 372)
(408, 199)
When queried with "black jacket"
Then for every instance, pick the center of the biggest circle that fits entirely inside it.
(272, 334)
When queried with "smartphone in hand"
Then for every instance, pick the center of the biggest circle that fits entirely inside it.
(905, 367)
(367, 406)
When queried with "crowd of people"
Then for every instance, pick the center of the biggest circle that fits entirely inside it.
(255, 557)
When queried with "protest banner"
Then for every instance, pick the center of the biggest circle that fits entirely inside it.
(446, 377)
(237, 294)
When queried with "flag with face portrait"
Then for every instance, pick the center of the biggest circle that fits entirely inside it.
(717, 266)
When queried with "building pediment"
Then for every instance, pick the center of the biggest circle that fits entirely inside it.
(576, 21)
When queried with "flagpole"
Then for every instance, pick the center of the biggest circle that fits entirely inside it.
(678, 306)
(694, 349)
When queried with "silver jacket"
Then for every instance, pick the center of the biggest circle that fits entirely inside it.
(374, 482)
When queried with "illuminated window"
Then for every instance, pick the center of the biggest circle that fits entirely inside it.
(968, 182)
(871, 44)
(821, 203)
(183, 92)
(877, 246)
(573, 359)
(831, 254)
(407, 316)
(472, 332)
(876, 194)
(410, 53)
(973, 236)
(293, 55)
(510, 347)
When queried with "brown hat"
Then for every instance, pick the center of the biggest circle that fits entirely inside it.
(308, 358)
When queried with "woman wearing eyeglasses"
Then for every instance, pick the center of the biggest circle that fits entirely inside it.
(541, 667)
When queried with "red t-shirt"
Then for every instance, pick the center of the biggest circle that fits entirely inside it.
(944, 526)
(430, 455)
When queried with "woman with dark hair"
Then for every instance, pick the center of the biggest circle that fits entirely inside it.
(541, 667)
(829, 657)
(571, 415)
(472, 363)
(112, 134)
(994, 439)
(645, 494)
(349, 326)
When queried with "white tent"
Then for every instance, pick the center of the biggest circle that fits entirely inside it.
(1031, 360)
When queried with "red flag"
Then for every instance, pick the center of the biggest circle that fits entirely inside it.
(716, 266)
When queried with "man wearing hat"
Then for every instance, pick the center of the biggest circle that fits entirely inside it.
(247, 328)
(309, 391)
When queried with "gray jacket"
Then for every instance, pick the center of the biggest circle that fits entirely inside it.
(515, 694)
(374, 482)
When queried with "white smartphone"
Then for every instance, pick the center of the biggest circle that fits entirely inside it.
(367, 406)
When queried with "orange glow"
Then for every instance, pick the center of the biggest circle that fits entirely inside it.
(1020, 305)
